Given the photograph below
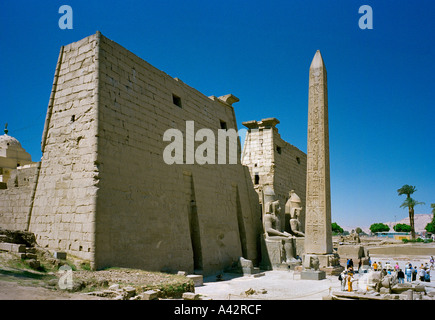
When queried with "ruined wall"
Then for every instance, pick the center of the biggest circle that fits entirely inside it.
(63, 211)
(274, 162)
(157, 216)
(259, 155)
(290, 173)
(15, 201)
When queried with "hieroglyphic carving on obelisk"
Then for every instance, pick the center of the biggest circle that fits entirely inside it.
(318, 238)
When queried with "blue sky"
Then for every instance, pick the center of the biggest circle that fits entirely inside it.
(380, 81)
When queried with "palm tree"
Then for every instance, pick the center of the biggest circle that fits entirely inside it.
(408, 190)
(410, 204)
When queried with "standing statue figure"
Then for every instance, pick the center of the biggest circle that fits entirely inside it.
(272, 229)
(293, 207)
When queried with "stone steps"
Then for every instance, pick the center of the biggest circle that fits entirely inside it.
(25, 253)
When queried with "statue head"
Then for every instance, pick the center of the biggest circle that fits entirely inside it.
(295, 205)
(269, 194)
(275, 208)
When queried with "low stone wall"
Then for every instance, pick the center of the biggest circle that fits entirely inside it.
(404, 250)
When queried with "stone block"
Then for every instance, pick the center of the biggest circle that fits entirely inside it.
(299, 243)
(354, 252)
(149, 295)
(313, 275)
(34, 264)
(130, 291)
(31, 256)
(197, 279)
(271, 252)
(190, 296)
(60, 255)
(30, 250)
(12, 247)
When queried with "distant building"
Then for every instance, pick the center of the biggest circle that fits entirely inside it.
(394, 235)
(12, 156)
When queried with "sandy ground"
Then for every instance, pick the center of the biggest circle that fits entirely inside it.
(274, 285)
(286, 285)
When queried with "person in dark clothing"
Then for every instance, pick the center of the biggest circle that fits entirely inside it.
(401, 276)
(414, 273)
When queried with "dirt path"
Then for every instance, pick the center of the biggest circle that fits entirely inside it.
(14, 291)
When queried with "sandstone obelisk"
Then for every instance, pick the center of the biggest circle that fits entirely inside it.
(318, 237)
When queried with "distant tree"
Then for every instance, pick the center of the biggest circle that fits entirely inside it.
(430, 227)
(379, 227)
(409, 203)
(336, 228)
(358, 230)
(402, 227)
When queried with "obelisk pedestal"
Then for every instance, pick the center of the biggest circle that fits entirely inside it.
(318, 233)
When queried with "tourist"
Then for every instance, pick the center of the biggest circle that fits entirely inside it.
(370, 262)
(375, 266)
(396, 267)
(401, 276)
(408, 272)
(380, 265)
(349, 280)
(431, 262)
(343, 277)
(414, 273)
(422, 274)
(427, 276)
(383, 273)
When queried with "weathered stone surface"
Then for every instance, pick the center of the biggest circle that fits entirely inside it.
(149, 295)
(355, 252)
(25, 238)
(60, 255)
(190, 296)
(34, 264)
(13, 247)
(318, 237)
(313, 275)
(130, 291)
(275, 163)
(197, 279)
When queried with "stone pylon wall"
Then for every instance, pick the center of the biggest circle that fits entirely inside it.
(104, 192)
(144, 204)
(63, 212)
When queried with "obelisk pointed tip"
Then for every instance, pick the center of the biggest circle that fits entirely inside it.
(317, 61)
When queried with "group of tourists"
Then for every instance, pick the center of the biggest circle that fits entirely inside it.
(411, 272)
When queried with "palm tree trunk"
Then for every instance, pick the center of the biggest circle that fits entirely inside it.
(411, 222)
